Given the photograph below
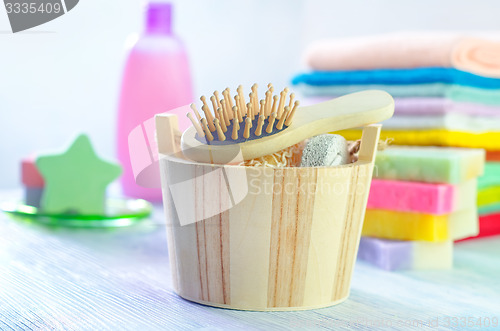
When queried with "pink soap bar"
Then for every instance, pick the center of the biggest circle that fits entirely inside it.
(436, 199)
(30, 175)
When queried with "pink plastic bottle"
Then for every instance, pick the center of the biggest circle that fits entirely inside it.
(156, 80)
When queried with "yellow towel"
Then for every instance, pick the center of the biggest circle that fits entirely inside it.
(437, 137)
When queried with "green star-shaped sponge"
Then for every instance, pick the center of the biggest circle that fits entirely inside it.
(76, 180)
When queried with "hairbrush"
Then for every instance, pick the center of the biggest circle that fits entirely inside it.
(262, 127)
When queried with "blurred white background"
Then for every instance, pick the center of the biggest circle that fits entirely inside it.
(63, 77)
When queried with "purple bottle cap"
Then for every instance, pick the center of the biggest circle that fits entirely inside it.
(159, 18)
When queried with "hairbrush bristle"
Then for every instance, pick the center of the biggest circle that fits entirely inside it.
(208, 134)
(260, 123)
(235, 120)
(220, 133)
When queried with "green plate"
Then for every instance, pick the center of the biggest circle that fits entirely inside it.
(119, 213)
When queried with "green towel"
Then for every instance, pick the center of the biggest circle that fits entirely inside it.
(489, 209)
(410, 90)
(491, 176)
(473, 95)
(453, 92)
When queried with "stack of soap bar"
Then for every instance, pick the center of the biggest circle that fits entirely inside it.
(406, 210)
(73, 181)
(401, 255)
(489, 225)
(32, 181)
(488, 200)
(421, 198)
(76, 179)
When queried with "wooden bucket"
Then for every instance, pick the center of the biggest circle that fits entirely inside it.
(288, 243)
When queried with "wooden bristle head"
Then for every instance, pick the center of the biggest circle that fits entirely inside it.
(196, 125)
(292, 96)
(262, 108)
(260, 123)
(226, 112)
(217, 98)
(222, 120)
(208, 134)
(238, 108)
(214, 103)
(237, 114)
(291, 113)
(275, 103)
(195, 111)
(209, 117)
(281, 122)
(248, 126)
(220, 133)
(234, 136)
(268, 103)
(270, 124)
(250, 112)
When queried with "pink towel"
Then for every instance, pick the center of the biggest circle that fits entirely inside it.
(407, 50)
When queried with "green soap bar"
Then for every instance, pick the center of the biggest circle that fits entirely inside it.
(494, 208)
(76, 180)
(429, 164)
(491, 176)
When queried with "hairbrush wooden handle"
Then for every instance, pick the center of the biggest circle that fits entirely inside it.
(349, 111)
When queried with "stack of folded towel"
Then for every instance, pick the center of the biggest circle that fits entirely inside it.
(421, 200)
(446, 87)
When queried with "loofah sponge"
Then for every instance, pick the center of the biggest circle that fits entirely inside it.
(288, 157)
(325, 150)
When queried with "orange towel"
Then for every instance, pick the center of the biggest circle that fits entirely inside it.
(493, 156)
(408, 50)
(478, 56)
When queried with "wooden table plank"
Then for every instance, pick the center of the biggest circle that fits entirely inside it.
(120, 279)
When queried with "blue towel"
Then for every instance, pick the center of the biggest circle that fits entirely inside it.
(396, 77)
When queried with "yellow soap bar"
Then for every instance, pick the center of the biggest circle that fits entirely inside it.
(396, 225)
(405, 226)
(488, 196)
(437, 137)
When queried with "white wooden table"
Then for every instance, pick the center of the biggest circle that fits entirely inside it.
(67, 279)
